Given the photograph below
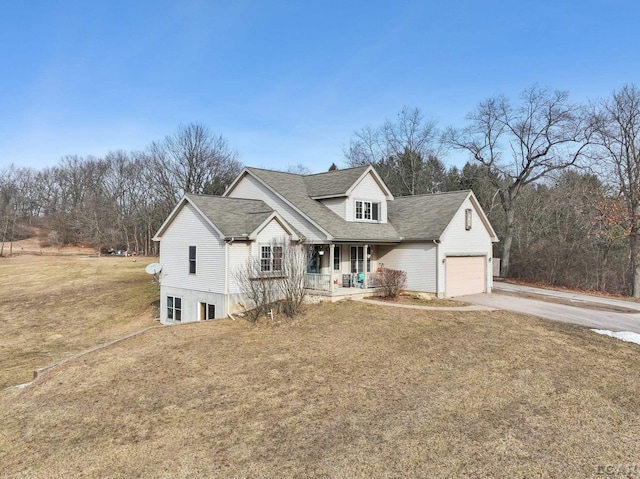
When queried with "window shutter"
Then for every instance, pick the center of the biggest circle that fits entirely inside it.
(375, 213)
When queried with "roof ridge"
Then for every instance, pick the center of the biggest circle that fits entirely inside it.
(273, 171)
(439, 193)
(337, 171)
(205, 195)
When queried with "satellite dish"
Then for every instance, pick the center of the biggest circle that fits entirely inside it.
(153, 268)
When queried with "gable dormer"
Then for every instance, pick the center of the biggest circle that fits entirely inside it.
(354, 194)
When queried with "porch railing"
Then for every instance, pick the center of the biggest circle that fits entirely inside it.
(318, 281)
(322, 282)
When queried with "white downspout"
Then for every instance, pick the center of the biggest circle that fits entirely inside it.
(437, 243)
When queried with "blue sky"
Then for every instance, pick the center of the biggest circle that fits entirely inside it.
(286, 82)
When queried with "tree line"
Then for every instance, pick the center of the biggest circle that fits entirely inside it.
(118, 201)
(559, 181)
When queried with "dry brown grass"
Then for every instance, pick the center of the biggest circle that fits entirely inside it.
(52, 307)
(417, 300)
(350, 390)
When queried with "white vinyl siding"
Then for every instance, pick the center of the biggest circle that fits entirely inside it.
(273, 231)
(337, 205)
(239, 253)
(249, 187)
(188, 228)
(417, 259)
(459, 241)
(367, 190)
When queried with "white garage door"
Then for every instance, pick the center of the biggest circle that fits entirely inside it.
(465, 275)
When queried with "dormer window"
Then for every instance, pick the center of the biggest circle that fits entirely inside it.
(367, 210)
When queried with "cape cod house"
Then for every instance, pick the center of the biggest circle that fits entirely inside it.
(354, 224)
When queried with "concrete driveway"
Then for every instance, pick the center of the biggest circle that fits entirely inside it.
(586, 310)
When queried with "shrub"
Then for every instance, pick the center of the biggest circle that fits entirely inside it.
(392, 281)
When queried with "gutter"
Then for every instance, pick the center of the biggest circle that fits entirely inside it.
(369, 240)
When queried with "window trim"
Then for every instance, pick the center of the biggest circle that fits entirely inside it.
(368, 210)
(205, 311)
(468, 219)
(271, 259)
(337, 258)
(174, 308)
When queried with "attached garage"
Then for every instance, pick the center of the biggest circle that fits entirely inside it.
(465, 275)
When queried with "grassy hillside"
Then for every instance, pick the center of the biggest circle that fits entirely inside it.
(54, 306)
(349, 390)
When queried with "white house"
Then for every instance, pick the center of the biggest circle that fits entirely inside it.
(350, 218)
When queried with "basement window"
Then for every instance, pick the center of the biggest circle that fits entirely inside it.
(207, 311)
(174, 308)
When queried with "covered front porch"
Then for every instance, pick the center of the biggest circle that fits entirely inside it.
(343, 270)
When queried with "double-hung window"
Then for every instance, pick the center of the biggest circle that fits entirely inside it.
(192, 260)
(270, 258)
(367, 210)
(336, 258)
(174, 308)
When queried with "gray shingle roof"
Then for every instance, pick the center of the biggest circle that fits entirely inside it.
(294, 188)
(424, 216)
(333, 183)
(234, 217)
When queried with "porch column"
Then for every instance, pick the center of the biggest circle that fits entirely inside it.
(365, 258)
(331, 256)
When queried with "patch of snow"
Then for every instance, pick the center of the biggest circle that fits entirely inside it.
(624, 335)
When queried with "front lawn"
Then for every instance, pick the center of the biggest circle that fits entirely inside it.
(348, 390)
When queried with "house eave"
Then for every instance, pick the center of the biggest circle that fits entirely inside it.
(420, 240)
(367, 240)
(326, 197)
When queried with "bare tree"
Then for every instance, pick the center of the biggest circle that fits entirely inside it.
(193, 160)
(258, 290)
(298, 169)
(276, 285)
(295, 258)
(520, 144)
(616, 124)
(400, 150)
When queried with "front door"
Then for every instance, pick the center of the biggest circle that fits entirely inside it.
(357, 259)
(315, 262)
